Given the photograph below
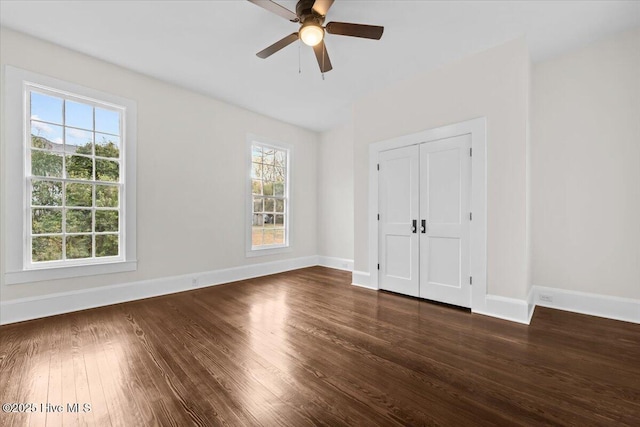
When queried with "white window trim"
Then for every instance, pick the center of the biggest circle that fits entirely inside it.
(287, 247)
(16, 266)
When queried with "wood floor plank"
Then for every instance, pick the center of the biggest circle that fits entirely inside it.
(307, 348)
(111, 367)
(23, 369)
(97, 408)
(272, 364)
(235, 370)
(54, 392)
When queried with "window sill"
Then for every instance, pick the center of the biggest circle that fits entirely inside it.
(39, 275)
(268, 251)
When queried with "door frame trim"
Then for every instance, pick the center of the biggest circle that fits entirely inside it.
(477, 128)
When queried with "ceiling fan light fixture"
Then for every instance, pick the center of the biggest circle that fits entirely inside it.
(311, 34)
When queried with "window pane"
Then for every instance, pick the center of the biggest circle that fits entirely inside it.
(78, 141)
(280, 220)
(267, 188)
(107, 196)
(107, 245)
(106, 221)
(268, 237)
(256, 154)
(107, 121)
(46, 221)
(257, 220)
(280, 174)
(46, 141)
(79, 194)
(278, 237)
(46, 193)
(268, 155)
(107, 170)
(256, 170)
(269, 205)
(78, 115)
(78, 247)
(279, 205)
(79, 167)
(107, 145)
(269, 173)
(256, 236)
(258, 205)
(278, 189)
(281, 158)
(47, 136)
(46, 164)
(256, 186)
(267, 220)
(78, 220)
(46, 248)
(46, 108)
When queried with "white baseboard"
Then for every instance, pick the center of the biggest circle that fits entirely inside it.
(22, 309)
(362, 279)
(521, 311)
(515, 310)
(336, 263)
(531, 303)
(626, 309)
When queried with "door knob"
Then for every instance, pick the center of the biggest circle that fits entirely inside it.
(414, 227)
(423, 226)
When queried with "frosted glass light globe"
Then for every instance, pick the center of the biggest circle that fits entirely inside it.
(311, 35)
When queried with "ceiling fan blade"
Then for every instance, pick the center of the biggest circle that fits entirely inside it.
(282, 43)
(355, 30)
(274, 7)
(323, 57)
(321, 7)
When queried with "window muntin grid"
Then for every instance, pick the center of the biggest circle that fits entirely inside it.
(74, 170)
(269, 192)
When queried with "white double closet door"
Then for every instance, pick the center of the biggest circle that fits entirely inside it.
(424, 197)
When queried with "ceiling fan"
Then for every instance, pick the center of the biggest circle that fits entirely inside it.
(310, 14)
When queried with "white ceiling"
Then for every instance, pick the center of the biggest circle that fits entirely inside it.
(210, 46)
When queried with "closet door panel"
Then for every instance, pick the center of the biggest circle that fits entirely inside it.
(445, 184)
(398, 182)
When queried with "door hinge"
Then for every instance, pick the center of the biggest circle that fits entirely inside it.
(378, 266)
(470, 216)
(378, 166)
(470, 152)
(471, 280)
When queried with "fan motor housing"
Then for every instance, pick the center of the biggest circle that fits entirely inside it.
(304, 10)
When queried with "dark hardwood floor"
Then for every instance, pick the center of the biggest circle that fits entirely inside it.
(306, 348)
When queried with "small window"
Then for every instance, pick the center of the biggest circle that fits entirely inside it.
(70, 171)
(269, 196)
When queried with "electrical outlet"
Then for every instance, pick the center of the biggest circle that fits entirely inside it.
(194, 282)
(546, 298)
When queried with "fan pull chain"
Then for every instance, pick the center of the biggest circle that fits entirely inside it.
(324, 54)
(299, 53)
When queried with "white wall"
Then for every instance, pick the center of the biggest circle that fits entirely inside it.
(191, 170)
(335, 193)
(494, 84)
(586, 169)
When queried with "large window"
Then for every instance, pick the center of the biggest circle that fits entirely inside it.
(70, 169)
(269, 196)
(73, 178)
